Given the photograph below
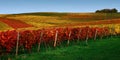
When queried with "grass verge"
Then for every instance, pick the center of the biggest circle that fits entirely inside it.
(104, 49)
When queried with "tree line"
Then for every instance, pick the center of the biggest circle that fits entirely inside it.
(114, 10)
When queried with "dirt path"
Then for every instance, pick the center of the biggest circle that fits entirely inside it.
(15, 23)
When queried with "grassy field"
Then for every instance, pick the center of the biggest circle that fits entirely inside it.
(105, 49)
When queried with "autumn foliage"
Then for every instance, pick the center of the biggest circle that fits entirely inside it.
(29, 38)
(15, 23)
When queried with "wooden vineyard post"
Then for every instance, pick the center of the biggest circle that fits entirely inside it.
(95, 34)
(68, 41)
(41, 34)
(102, 34)
(79, 35)
(111, 32)
(18, 35)
(105, 33)
(87, 37)
(56, 35)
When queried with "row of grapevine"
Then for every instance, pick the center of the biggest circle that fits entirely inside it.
(15, 23)
(14, 39)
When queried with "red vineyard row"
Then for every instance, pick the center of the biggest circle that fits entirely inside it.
(28, 38)
(15, 23)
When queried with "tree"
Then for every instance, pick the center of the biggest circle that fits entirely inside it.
(114, 10)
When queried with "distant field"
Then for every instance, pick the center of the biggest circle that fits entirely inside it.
(2, 15)
(53, 19)
(15, 23)
(38, 21)
(4, 26)
(75, 16)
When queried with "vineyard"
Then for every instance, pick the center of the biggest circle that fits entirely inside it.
(15, 23)
(51, 21)
(15, 40)
(52, 31)
(4, 26)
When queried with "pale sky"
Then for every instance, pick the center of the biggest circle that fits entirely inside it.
(23, 6)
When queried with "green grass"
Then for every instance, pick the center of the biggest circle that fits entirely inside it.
(105, 49)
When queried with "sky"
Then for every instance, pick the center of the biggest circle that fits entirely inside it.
(23, 6)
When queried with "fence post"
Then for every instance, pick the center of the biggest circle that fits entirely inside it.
(41, 34)
(68, 41)
(102, 34)
(111, 32)
(95, 34)
(18, 35)
(56, 35)
(87, 37)
(79, 35)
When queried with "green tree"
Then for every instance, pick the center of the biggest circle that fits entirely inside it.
(114, 10)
